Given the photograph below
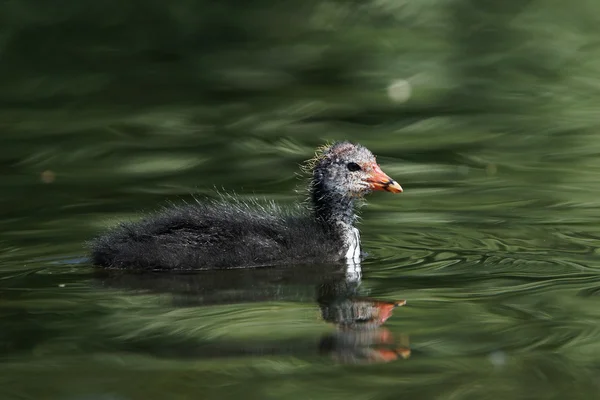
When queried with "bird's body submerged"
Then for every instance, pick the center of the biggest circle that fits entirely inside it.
(232, 233)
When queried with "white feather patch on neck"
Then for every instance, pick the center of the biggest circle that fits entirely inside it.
(353, 253)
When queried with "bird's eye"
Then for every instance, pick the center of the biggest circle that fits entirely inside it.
(353, 167)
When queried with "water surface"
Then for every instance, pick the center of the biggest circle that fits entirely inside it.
(493, 243)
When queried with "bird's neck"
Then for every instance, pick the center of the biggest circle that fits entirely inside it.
(333, 209)
(337, 213)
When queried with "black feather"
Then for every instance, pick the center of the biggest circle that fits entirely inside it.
(221, 234)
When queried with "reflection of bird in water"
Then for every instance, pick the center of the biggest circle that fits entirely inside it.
(232, 286)
(234, 234)
(340, 304)
(364, 346)
(359, 336)
(359, 313)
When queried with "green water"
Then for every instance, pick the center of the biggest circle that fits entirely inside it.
(109, 110)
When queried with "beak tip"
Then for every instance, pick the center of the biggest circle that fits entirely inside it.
(394, 187)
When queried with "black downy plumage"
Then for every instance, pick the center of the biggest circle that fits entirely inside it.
(231, 233)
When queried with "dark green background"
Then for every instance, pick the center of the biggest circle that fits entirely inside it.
(112, 108)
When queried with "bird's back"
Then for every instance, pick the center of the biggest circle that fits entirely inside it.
(216, 235)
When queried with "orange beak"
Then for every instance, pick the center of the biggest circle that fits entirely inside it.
(378, 180)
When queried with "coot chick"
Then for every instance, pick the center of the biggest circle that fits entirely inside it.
(231, 233)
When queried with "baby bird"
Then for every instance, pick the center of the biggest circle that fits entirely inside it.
(236, 234)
